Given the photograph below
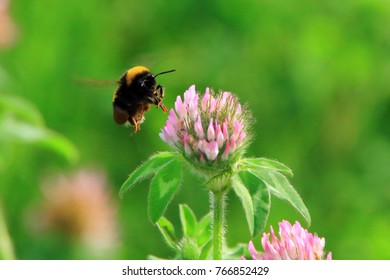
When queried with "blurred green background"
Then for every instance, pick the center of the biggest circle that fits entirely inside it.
(316, 76)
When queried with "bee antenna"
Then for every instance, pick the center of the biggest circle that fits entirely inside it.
(165, 72)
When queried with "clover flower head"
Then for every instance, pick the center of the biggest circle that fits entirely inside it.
(294, 243)
(209, 129)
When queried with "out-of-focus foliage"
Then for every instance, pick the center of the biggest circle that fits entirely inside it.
(315, 74)
(21, 123)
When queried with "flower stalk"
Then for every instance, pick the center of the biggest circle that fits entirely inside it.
(218, 201)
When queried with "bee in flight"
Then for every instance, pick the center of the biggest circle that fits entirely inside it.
(136, 91)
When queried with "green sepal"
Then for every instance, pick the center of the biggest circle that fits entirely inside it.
(168, 232)
(203, 230)
(188, 220)
(189, 250)
(206, 251)
(197, 246)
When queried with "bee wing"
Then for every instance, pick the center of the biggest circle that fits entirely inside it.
(92, 82)
(120, 115)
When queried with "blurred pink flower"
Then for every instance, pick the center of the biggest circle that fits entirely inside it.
(295, 243)
(208, 128)
(81, 207)
(7, 26)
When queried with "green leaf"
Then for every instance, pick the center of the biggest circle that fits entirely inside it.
(255, 199)
(203, 230)
(188, 220)
(147, 169)
(21, 109)
(261, 200)
(168, 232)
(17, 131)
(246, 201)
(61, 145)
(163, 187)
(265, 164)
(281, 187)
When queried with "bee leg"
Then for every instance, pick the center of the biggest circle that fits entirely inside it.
(162, 106)
(136, 124)
(153, 99)
(160, 95)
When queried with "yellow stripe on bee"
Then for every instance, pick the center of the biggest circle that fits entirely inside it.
(134, 72)
(114, 96)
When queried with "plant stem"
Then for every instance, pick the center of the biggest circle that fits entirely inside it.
(218, 223)
(6, 247)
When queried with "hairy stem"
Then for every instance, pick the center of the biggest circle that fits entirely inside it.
(218, 223)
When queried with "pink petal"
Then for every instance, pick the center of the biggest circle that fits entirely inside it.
(220, 138)
(232, 145)
(225, 132)
(212, 104)
(241, 138)
(226, 151)
(187, 147)
(252, 250)
(239, 109)
(202, 145)
(224, 99)
(172, 118)
(191, 101)
(198, 128)
(169, 134)
(189, 95)
(211, 131)
(211, 150)
(180, 108)
(205, 100)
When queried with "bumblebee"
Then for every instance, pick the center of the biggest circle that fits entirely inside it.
(137, 90)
